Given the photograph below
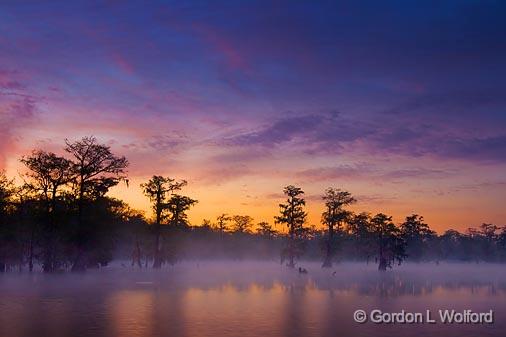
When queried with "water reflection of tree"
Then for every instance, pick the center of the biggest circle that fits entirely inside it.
(353, 282)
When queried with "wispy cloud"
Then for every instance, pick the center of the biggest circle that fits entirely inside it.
(364, 171)
(14, 114)
(334, 133)
(335, 172)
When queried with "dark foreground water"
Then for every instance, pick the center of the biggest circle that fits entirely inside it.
(249, 299)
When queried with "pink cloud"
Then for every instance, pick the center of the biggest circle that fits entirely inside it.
(15, 113)
(122, 63)
(8, 80)
(234, 58)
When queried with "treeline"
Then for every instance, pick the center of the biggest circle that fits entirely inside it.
(60, 218)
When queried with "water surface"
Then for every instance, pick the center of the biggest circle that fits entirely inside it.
(248, 299)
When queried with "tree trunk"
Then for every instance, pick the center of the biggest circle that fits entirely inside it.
(291, 249)
(30, 252)
(157, 259)
(79, 264)
(291, 264)
(382, 260)
(47, 265)
(382, 264)
(327, 263)
(136, 256)
(157, 263)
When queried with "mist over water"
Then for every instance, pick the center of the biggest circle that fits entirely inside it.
(242, 298)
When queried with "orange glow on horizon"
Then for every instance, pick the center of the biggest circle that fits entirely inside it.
(258, 195)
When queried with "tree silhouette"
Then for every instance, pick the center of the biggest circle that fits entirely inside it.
(178, 205)
(61, 218)
(159, 190)
(134, 227)
(359, 227)
(48, 175)
(96, 169)
(293, 215)
(450, 243)
(389, 243)
(265, 229)
(6, 193)
(333, 218)
(417, 234)
(207, 224)
(242, 223)
(487, 236)
(222, 222)
(501, 243)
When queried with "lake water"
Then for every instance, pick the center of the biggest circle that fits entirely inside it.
(249, 299)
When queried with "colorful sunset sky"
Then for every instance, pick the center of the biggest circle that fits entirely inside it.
(402, 103)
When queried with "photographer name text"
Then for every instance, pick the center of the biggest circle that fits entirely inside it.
(444, 316)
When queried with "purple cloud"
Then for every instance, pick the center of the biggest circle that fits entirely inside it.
(368, 172)
(15, 113)
(334, 133)
(334, 173)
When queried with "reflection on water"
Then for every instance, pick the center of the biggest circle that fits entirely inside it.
(247, 299)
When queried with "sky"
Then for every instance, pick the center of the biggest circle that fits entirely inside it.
(402, 103)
